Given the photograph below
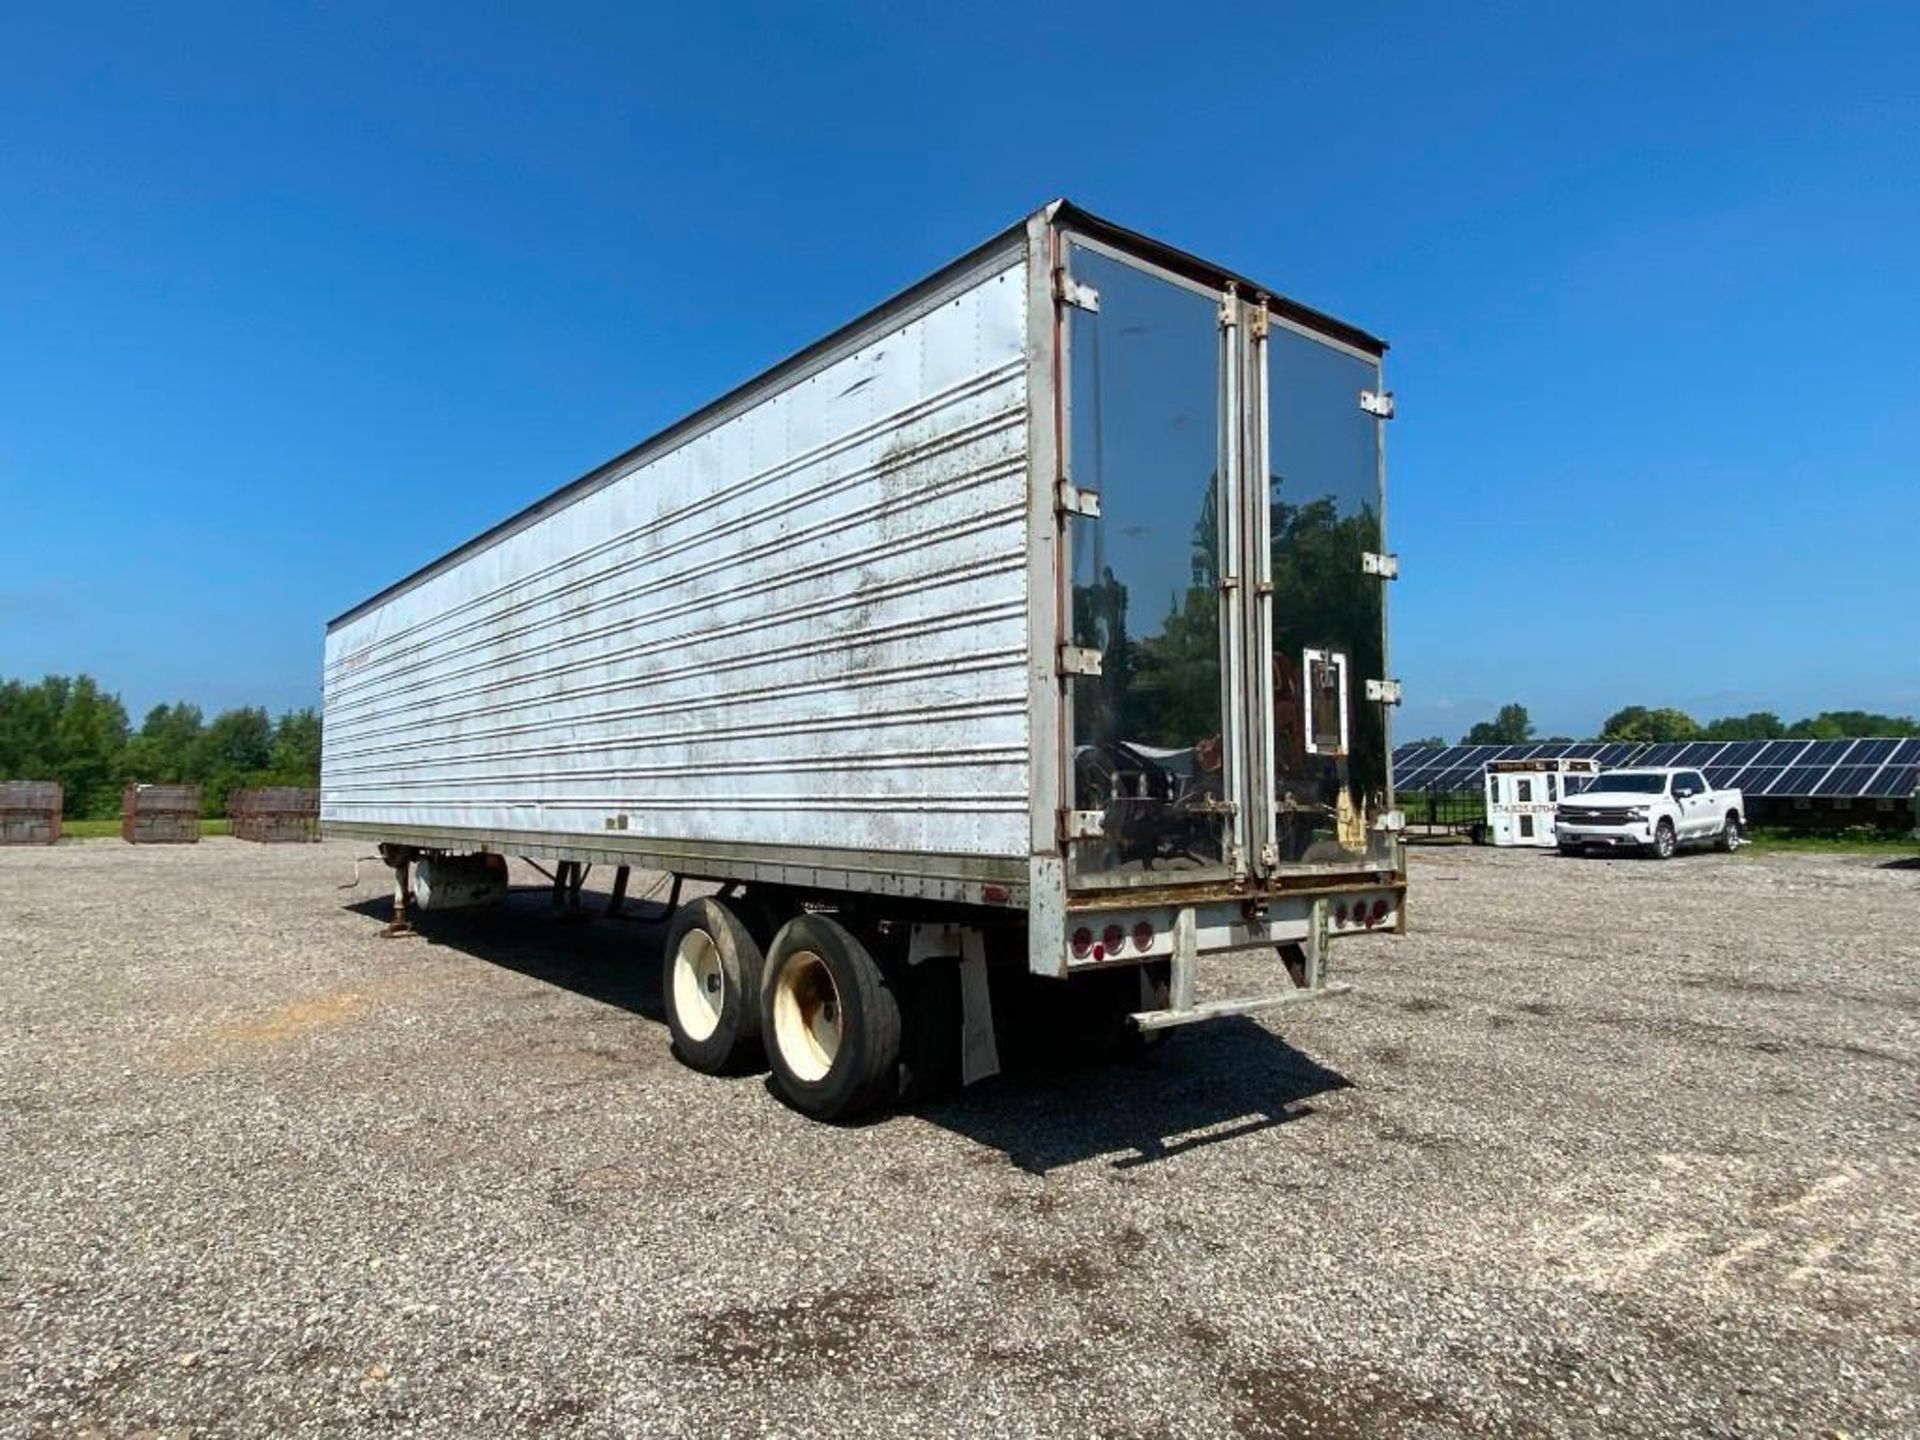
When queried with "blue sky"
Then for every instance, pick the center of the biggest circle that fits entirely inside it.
(292, 300)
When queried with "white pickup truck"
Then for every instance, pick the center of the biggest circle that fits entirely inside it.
(1657, 811)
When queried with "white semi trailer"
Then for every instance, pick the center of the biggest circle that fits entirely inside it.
(1033, 624)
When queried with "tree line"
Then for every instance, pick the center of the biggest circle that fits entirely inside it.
(1513, 726)
(67, 728)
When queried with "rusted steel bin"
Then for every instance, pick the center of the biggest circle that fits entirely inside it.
(29, 812)
(160, 814)
(275, 814)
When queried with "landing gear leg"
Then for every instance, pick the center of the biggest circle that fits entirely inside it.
(401, 862)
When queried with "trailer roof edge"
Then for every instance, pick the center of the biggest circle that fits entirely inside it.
(1006, 242)
(1191, 266)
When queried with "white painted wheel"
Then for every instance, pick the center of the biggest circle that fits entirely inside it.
(710, 975)
(830, 1018)
(699, 984)
(808, 1021)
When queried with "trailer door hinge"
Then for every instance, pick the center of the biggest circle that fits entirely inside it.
(1072, 500)
(1377, 402)
(1229, 313)
(1082, 824)
(1257, 326)
(1387, 567)
(1069, 291)
(1079, 660)
(1387, 692)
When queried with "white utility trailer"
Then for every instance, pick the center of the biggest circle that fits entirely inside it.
(1523, 796)
(1033, 624)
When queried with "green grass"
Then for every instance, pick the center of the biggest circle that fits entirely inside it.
(1854, 840)
(110, 829)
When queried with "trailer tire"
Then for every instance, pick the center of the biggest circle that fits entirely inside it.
(710, 981)
(831, 1021)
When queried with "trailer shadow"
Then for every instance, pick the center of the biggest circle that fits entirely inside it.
(614, 962)
(1061, 1098)
(1216, 1083)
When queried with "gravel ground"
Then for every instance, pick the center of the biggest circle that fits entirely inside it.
(1601, 1147)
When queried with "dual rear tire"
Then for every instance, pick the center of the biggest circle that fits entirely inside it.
(710, 981)
(831, 1020)
(814, 1006)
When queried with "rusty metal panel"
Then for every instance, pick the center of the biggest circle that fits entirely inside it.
(160, 814)
(275, 814)
(30, 812)
(804, 626)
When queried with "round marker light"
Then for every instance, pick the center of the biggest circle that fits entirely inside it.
(1114, 938)
(1340, 913)
(1379, 911)
(1082, 943)
(1143, 937)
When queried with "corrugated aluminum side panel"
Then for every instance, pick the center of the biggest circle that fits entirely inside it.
(806, 626)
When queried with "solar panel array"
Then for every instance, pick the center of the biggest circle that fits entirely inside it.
(1775, 769)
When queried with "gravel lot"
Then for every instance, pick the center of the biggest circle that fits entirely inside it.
(1602, 1147)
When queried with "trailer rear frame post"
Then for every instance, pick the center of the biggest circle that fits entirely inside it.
(1186, 958)
(619, 896)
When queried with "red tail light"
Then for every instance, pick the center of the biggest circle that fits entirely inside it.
(1340, 913)
(1143, 937)
(1114, 938)
(1082, 943)
(1379, 912)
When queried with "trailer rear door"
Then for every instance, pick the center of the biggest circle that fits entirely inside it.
(1156, 739)
(1317, 502)
(1229, 731)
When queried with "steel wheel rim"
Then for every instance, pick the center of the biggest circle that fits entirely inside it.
(699, 984)
(808, 1023)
